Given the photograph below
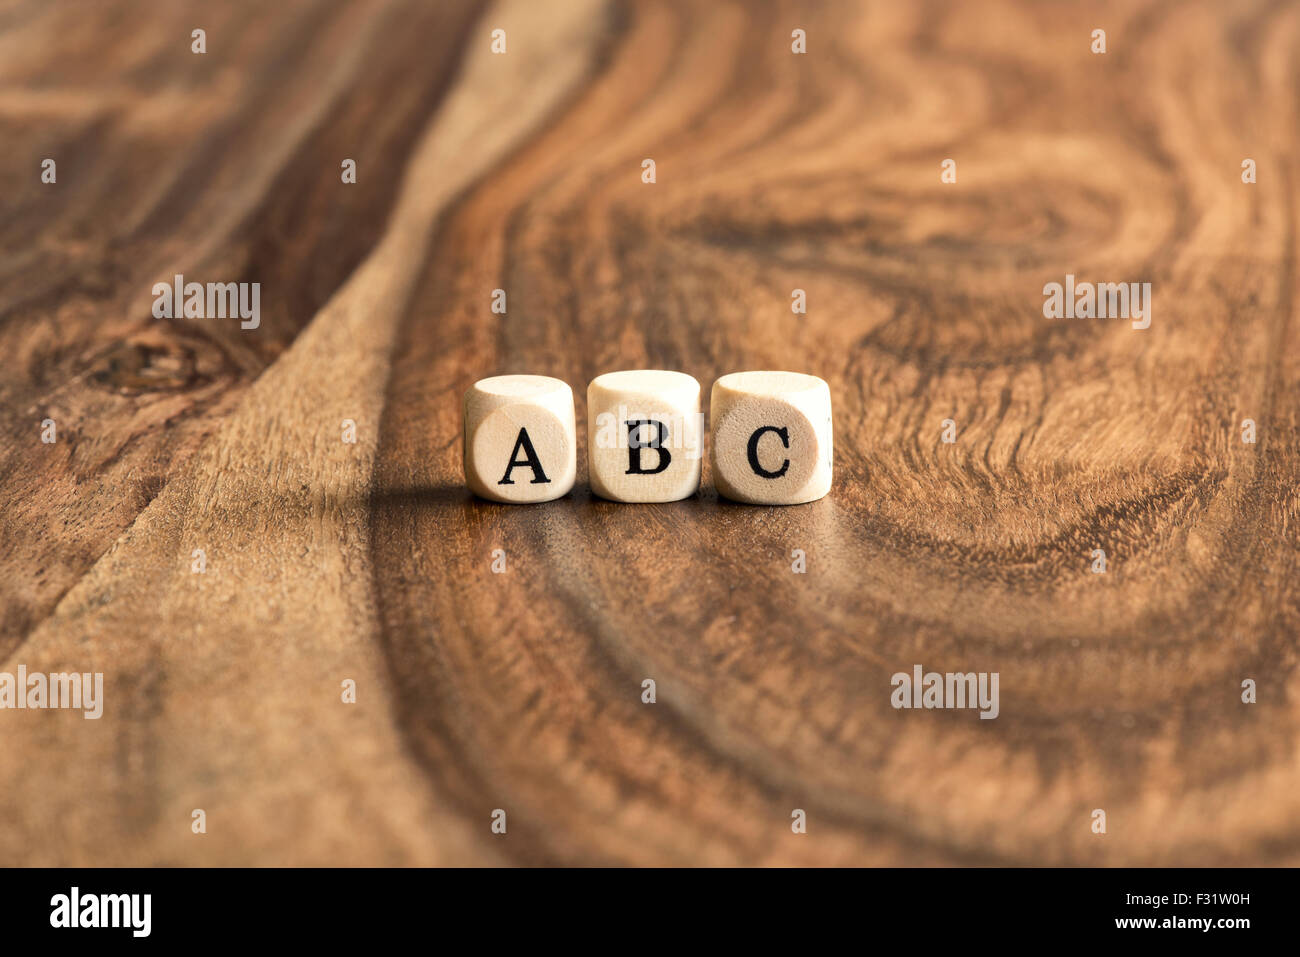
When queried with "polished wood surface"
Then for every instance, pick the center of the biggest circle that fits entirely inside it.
(522, 690)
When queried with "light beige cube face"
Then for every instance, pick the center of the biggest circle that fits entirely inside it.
(772, 437)
(644, 435)
(520, 438)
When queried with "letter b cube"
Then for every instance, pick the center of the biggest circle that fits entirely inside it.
(644, 431)
(520, 441)
(772, 437)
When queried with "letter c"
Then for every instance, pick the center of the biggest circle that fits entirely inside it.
(784, 433)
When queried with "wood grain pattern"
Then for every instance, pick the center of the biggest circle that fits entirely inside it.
(522, 690)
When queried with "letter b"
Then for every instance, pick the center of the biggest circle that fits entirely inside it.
(634, 447)
(659, 412)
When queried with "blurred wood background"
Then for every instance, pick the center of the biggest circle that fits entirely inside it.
(522, 691)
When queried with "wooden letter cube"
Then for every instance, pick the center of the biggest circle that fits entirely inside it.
(520, 438)
(644, 432)
(771, 437)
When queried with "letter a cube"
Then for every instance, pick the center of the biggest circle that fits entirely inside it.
(520, 440)
(644, 435)
(772, 437)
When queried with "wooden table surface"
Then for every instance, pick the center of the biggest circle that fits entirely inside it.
(522, 691)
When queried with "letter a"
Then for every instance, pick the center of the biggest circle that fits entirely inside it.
(530, 459)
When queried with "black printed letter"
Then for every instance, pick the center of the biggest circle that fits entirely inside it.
(634, 447)
(753, 451)
(530, 459)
